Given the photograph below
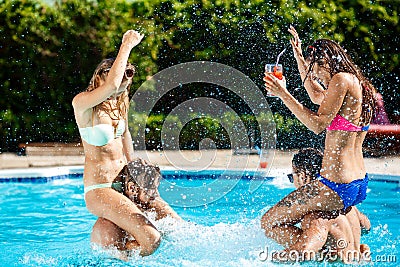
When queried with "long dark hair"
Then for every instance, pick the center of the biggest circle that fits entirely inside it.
(339, 61)
(121, 109)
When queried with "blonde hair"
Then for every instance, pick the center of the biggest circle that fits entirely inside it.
(121, 109)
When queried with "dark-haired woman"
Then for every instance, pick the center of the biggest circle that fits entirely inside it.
(346, 102)
(101, 115)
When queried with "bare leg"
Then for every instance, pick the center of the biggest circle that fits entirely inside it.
(286, 235)
(115, 207)
(107, 234)
(315, 196)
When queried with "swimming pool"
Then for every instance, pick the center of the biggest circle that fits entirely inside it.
(44, 222)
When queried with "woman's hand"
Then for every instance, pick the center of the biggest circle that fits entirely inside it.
(296, 43)
(274, 85)
(132, 38)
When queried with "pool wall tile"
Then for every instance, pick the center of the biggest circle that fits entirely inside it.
(44, 175)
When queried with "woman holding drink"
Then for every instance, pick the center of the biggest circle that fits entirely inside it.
(346, 102)
(276, 70)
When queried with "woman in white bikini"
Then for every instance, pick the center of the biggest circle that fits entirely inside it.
(101, 115)
(138, 181)
(346, 103)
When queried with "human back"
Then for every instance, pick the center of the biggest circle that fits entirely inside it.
(337, 238)
(345, 235)
(348, 104)
(343, 159)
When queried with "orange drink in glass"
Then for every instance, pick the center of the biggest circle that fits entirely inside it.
(276, 70)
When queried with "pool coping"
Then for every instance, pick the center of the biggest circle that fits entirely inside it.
(45, 174)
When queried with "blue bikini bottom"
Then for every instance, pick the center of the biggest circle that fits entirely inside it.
(352, 193)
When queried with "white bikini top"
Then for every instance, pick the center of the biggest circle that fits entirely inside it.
(102, 134)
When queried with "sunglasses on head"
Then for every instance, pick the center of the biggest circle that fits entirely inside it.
(128, 72)
(290, 177)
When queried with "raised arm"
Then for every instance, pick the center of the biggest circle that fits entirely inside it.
(315, 121)
(89, 99)
(127, 141)
(315, 91)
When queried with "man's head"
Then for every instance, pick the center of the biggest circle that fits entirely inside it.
(139, 181)
(306, 164)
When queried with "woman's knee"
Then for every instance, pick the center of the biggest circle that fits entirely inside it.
(265, 223)
(269, 219)
(152, 243)
(106, 234)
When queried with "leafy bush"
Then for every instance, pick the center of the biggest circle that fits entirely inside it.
(48, 52)
(291, 133)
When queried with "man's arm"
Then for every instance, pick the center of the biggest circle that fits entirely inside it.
(315, 234)
(163, 209)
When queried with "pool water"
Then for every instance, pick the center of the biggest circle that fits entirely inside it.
(47, 224)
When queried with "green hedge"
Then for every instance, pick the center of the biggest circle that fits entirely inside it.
(290, 132)
(48, 52)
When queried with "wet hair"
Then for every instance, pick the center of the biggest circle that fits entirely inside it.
(143, 174)
(309, 161)
(327, 51)
(122, 100)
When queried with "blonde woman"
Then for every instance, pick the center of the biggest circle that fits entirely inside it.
(101, 115)
(139, 181)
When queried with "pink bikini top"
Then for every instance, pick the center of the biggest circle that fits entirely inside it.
(341, 124)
